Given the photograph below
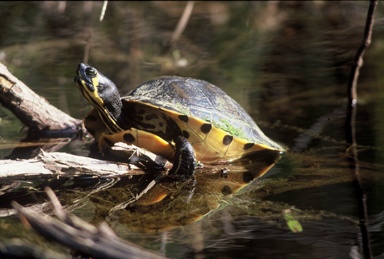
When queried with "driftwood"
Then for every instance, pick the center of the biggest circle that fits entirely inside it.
(59, 163)
(17, 248)
(31, 109)
(79, 235)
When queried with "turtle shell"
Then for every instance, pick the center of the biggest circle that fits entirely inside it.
(216, 125)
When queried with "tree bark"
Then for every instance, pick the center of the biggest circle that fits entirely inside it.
(31, 109)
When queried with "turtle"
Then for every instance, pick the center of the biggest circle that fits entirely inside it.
(182, 119)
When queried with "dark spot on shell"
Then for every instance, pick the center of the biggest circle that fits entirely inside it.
(183, 118)
(248, 146)
(161, 124)
(185, 134)
(247, 177)
(91, 118)
(141, 111)
(128, 137)
(151, 117)
(226, 190)
(227, 140)
(109, 142)
(206, 128)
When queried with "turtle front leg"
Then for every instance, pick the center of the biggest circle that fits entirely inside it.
(184, 162)
(181, 153)
(139, 138)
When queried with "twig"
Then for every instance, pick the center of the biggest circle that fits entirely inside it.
(103, 9)
(182, 22)
(87, 46)
(358, 61)
(351, 130)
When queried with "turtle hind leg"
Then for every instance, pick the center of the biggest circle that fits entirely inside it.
(184, 162)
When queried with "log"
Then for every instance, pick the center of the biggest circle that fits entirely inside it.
(31, 109)
(59, 163)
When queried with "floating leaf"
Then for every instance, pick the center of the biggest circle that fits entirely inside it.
(293, 224)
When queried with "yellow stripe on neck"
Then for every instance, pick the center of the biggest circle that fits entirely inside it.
(95, 99)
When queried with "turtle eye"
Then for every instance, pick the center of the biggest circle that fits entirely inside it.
(90, 71)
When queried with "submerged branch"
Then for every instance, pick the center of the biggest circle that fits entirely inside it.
(17, 248)
(350, 126)
(79, 235)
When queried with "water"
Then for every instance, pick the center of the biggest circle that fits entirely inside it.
(286, 63)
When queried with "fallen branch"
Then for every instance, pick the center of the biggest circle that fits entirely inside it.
(79, 235)
(31, 109)
(59, 163)
(17, 248)
(63, 164)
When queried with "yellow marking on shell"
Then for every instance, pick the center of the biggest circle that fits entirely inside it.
(146, 140)
(142, 139)
(209, 147)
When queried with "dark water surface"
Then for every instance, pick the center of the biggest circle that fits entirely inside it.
(286, 63)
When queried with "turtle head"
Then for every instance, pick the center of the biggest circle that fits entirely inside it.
(101, 92)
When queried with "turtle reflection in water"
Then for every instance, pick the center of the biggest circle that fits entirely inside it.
(142, 207)
(177, 118)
